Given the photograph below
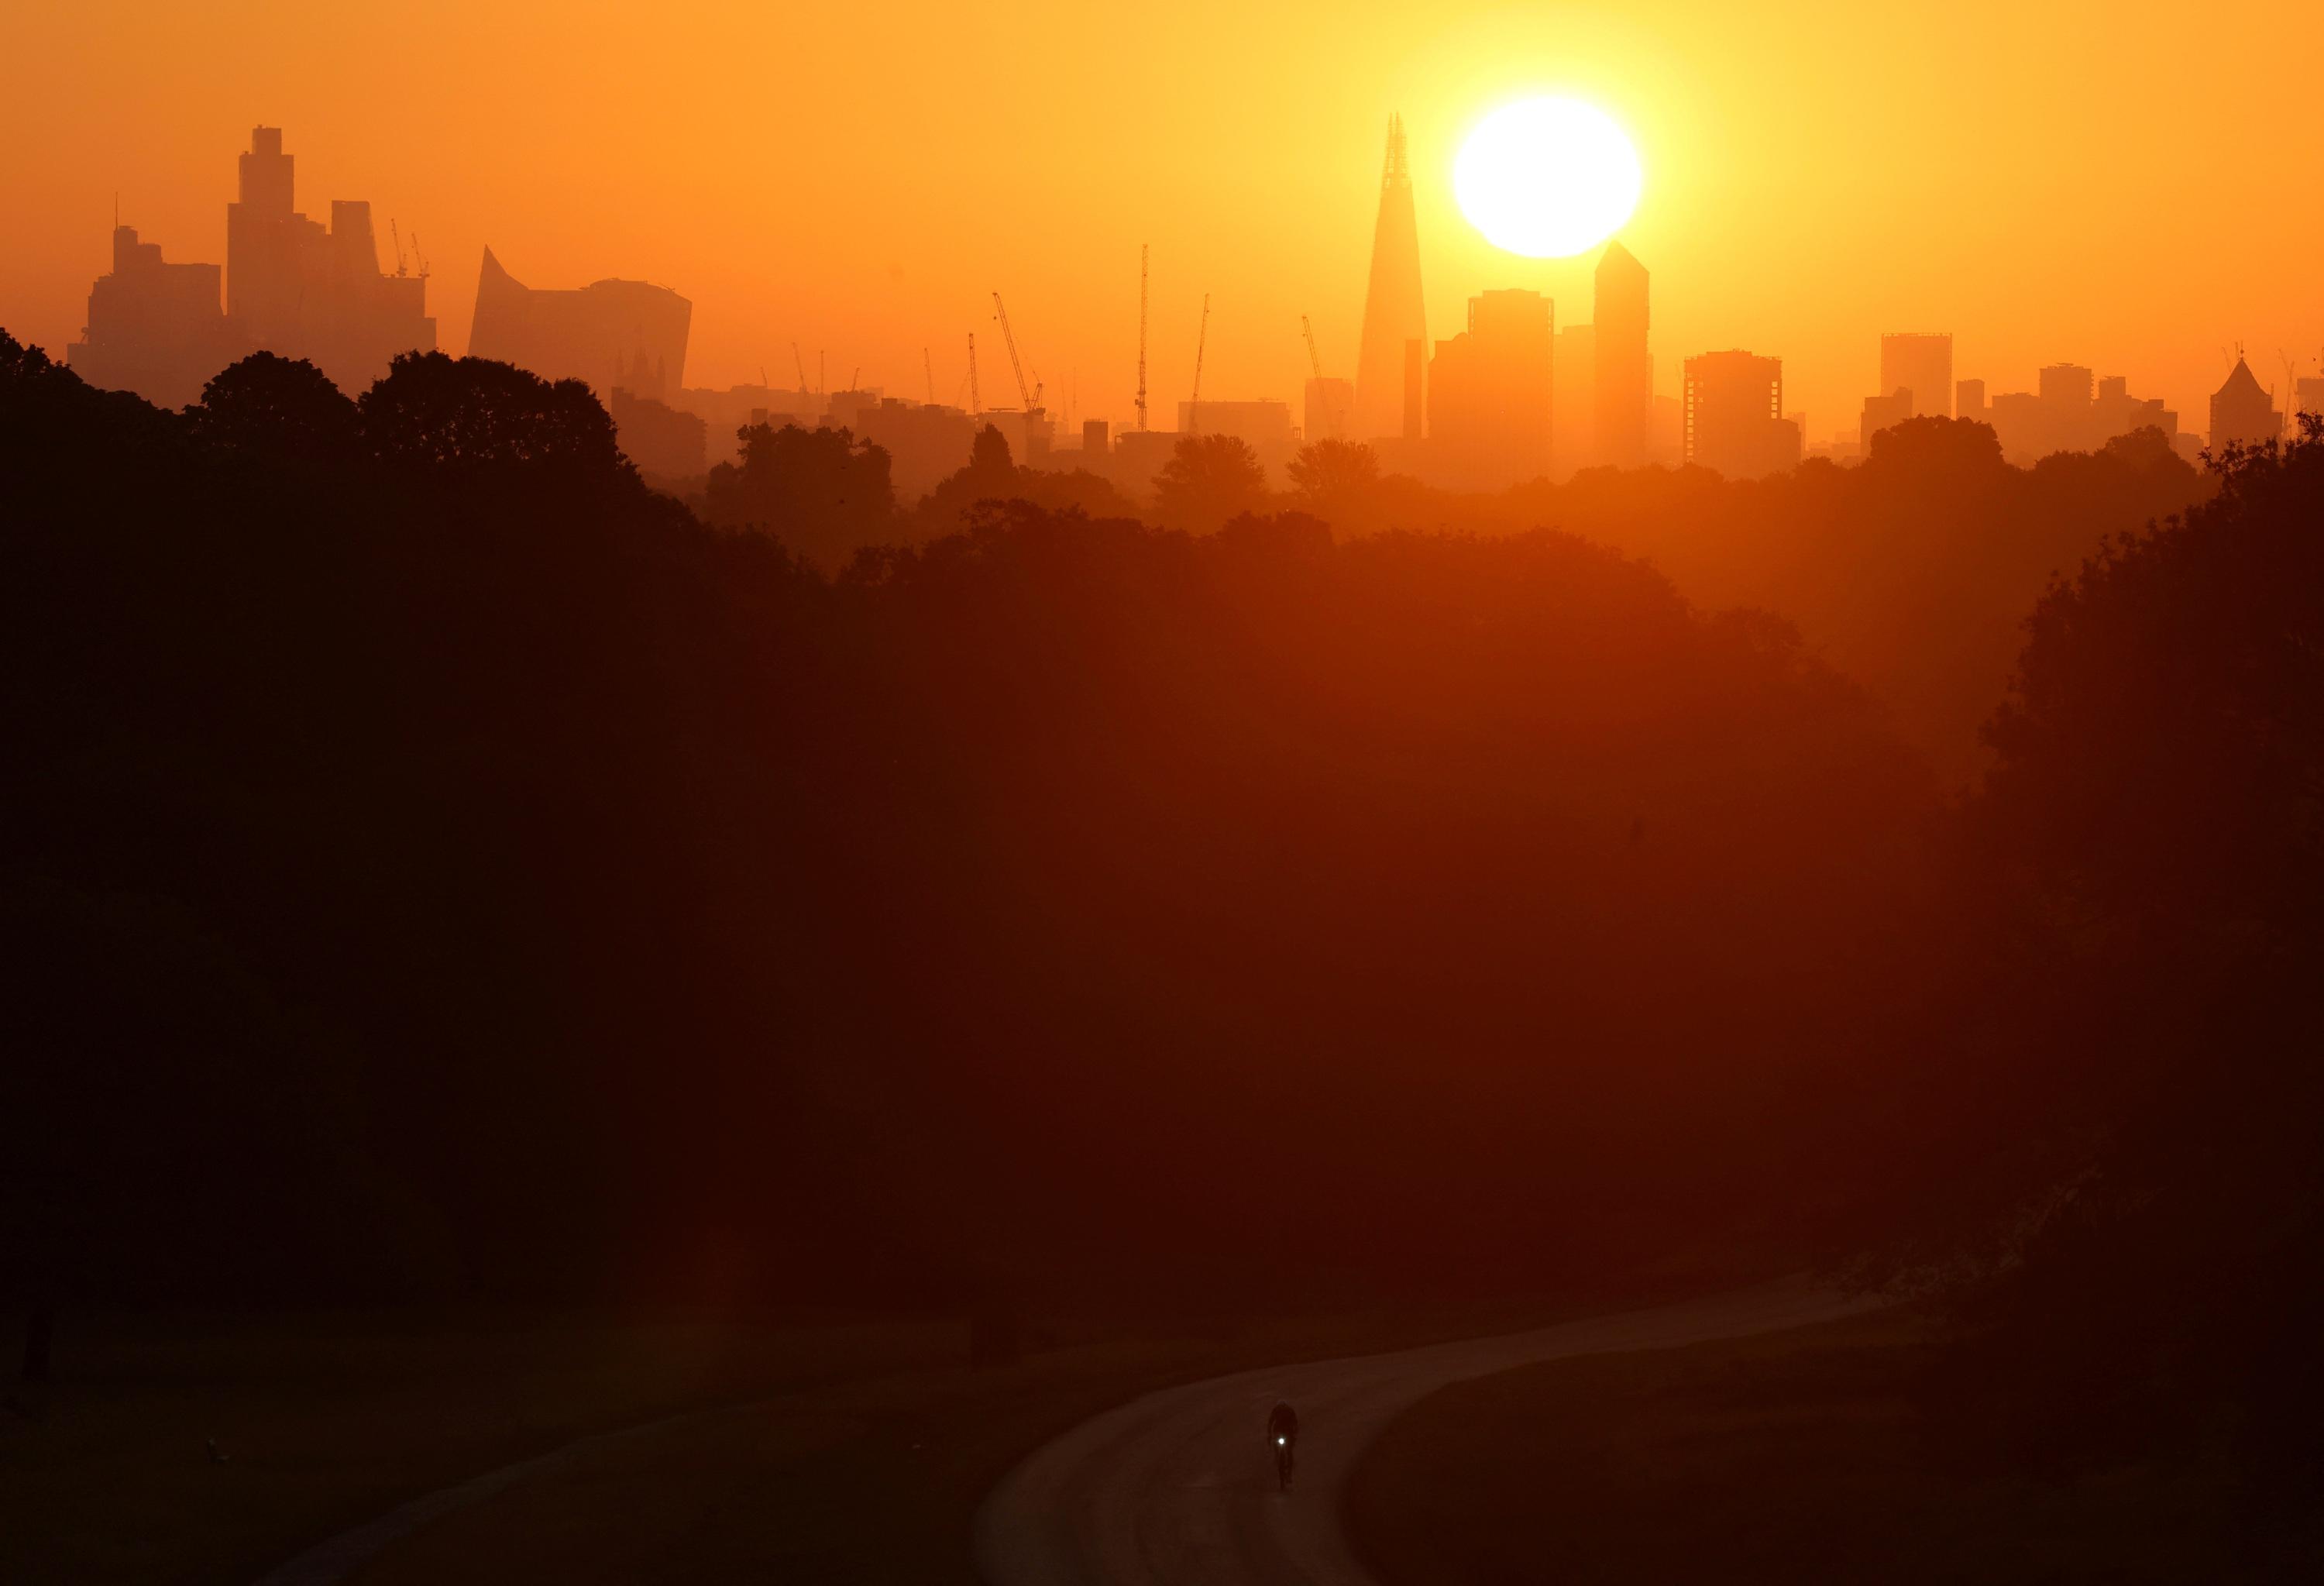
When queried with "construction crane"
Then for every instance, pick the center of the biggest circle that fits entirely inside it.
(1142, 251)
(1202, 340)
(397, 238)
(976, 402)
(927, 365)
(1315, 358)
(1031, 399)
(800, 364)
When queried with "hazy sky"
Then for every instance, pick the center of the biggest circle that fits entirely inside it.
(2129, 186)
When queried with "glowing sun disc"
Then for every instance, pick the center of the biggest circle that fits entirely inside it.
(1548, 177)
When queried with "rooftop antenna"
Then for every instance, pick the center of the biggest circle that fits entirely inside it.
(976, 402)
(1202, 340)
(928, 366)
(1143, 249)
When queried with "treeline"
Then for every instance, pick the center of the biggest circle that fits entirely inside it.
(447, 863)
(437, 865)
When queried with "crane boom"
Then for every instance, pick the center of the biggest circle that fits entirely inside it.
(801, 364)
(1142, 250)
(975, 403)
(1030, 398)
(1202, 340)
(1315, 358)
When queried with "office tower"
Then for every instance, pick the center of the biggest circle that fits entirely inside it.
(1969, 399)
(1922, 364)
(1393, 315)
(2243, 413)
(628, 335)
(1882, 412)
(2307, 395)
(1094, 442)
(2065, 387)
(1625, 370)
(1330, 410)
(1734, 415)
(2115, 411)
(296, 288)
(1491, 392)
(1572, 399)
(153, 327)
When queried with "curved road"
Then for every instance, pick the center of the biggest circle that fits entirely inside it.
(1176, 1487)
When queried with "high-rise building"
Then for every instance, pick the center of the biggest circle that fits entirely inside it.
(296, 288)
(153, 327)
(1734, 419)
(1330, 410)
(2065, 387)
(1624, 367)
(1882, 412)
(2243, 413)
(1969, 400)
(1490, 391)
(628, 335)
(2307, 395)
(1393, 315)
(1573, 401)
(1263, 425)
(1922, 363)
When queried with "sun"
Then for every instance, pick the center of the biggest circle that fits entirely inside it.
(1548, 177)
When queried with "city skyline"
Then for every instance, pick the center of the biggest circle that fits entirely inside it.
(808, 246)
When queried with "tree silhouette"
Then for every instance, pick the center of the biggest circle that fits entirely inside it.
(1209, 479)
(1329, 472)
(821, 492)
(276, 407)
(435, 410)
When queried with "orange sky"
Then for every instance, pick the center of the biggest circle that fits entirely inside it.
(2117, 185)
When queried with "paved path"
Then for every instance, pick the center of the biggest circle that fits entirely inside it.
(1177, 1487)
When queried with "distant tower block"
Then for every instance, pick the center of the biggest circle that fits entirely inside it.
(1625, 367)
(1922, 364)
(1415, 387)
(1393, 315)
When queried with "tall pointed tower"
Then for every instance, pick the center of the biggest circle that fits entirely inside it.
(1393, 317)
(1626, 369)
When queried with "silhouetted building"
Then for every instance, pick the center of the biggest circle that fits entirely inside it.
(1331, 409)
(1394, 316)
(2115, 411)
(1573, 401)
(629, 334)
(926, 445)
(2243, 413)
(1624, 367)
(1969, 400)
(1263, 425)
(153, 327)
(1921, 362)
(1882, 412)
(1491, 392)
(1416, 388)
(729, 411)
(668, 444)
(1139, 455)
(2307, 395)
(1030, 435)
(1096, 446)
(295, 288)
(1735, 421)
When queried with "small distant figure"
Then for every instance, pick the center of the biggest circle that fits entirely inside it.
(1283, 1437)
(218, 1455)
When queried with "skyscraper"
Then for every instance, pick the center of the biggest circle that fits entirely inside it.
(1922, 363)
(625, 334)
(1489, 391)
(1735, 419)
(1626, 369)
(1573, 408)
(2243, 413)
(1393, 315)
(153, 327)
(295, 288)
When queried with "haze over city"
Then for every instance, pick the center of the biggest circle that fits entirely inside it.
(1286, 796)
(1816, 176)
